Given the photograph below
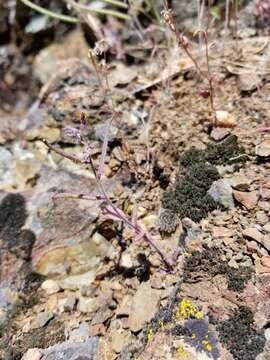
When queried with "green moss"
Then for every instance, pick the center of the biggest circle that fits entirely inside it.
(239, 336)
(226, 152)
(208, 263)
(189, 197)
(237, 278)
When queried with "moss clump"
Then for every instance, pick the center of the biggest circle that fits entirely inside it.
(208, 263)
(201, 264)
(189, 198)
(228, 151)
(237, 278)
(239, 336)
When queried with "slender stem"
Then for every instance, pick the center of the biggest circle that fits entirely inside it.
(114, 13)
(236, 23)
(209, 77)
(49, 13)
(227, 20)
(117, 3)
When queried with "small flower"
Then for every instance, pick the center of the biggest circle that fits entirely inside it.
(150, 336)
(187, 310)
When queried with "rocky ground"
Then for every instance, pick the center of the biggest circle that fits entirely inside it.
(77, 285)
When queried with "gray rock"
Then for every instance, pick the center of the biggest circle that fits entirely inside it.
(8, 300)
(80, 334)
(73, 351)
(64, 245)
(5, 166)
(221, 192)
(41, 320)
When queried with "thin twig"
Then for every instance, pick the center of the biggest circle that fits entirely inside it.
(86, 8)
(49, 13)
(209, 77)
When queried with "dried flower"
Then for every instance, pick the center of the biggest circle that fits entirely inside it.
(83, 120)
(73, 133)
(101, 47)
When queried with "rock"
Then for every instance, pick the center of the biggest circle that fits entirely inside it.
(41, 320)
(263, 149)
(225, 119)
(267, 335)
(221, 192)
(259, 268)
(8, 300)
(119, 339)
(126, 261)
(122, 75)
(88, 305)
(253, 246)
(141, 310)
(265, 260)
(72, 351)
(50, 287)
(240, 182)
(221, 231)
(102, 315)
(5, 168)
(77, 282)
(266, 227)
(232, 263)
(150, 221)
(47, 133)
(249, 80)
(262, 217)
(248, 199)
(47, 61)
(124, 308)
(80, 334)
(63, 243)
(192, 229)
(219, 133)
(100, 131)
(67, 303)
(254, 234)
(32, 354)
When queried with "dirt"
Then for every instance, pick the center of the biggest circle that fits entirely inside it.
(164, 154)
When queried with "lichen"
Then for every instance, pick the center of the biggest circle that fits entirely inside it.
(239, 336)
(201, 337)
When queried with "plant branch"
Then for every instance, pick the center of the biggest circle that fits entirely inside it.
(41, 10)
(114, 13)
